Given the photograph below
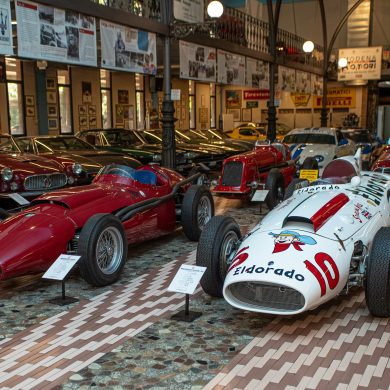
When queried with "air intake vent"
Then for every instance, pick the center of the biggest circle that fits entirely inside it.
(267, 296)
(232, 174)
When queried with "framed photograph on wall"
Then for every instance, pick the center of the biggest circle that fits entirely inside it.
(119, 117)
(236, 114)
(30, 111)
(50, 83)
(246, 114)
(123, 96)
(51, 97)
(83, 121)
(52, 110)
(86, 91)
(233, 98)
(83, 109)
(53, 124)
(92, 121)
(91, 109)
(30, 101)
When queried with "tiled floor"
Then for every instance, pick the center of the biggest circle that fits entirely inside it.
(337, 346)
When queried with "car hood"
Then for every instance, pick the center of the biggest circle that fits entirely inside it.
(323, 153)
(29, 164)
(93, 160)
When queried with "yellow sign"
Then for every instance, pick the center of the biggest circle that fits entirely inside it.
(337, 98)
(308, 174)
(300, 99)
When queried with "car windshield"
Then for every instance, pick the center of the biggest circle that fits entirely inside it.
(118, 170)
(310, 138)
(152, 137)
(122, 138)
(61, 143)
(7, 145)
(358, 136)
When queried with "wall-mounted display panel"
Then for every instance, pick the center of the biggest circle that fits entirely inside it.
(128, 49)
(48, 33)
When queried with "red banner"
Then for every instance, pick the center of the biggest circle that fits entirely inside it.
(256, 94)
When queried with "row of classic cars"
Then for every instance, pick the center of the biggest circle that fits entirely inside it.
(98, 220)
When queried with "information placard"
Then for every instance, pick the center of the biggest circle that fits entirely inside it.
(5, 28)
(61, 267)
(186, 279)
(308, 174)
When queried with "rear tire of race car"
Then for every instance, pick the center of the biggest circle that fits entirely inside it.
(378, 275)
(275, 186)
(215, 245)
(310, 163)
(294, 185)
(197, 209)
(103, 249)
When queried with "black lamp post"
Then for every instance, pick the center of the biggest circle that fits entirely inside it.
(273, 21)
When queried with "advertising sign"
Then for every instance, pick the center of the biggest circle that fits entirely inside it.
(197, 62)
(231, 68)
(128, 49)
(337, 98)
(363, 63)
(257, 73)
(300, 99)
(5, 28)
(256, 94)
(316, 85)
(49, 33)
(286, 79)
(190, 11)
(303, 82)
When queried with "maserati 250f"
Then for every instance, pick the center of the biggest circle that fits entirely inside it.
(327, 237)
(123, 205)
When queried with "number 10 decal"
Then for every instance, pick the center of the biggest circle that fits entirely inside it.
(328, 267)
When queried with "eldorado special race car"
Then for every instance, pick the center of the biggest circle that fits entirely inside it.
(268, 168)
(123, 205)
(325, 239)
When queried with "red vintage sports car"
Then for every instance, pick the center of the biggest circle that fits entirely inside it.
(30, 175)
(267, 167)
(123, 205)
(382, 163)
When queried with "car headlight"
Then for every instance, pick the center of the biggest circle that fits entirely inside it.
(156, 158)
(77, 168)
(7, 174)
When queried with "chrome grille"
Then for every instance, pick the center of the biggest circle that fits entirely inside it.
(232, 174)
(267, 296)
(45, 182)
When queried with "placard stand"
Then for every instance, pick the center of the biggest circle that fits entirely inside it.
(58, 271)
(63, 299)
(186, 315)
(185, 282)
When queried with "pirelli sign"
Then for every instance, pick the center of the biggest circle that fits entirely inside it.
(337, 98)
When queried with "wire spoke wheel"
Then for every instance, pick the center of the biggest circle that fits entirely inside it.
(109, 250)
(204, 211)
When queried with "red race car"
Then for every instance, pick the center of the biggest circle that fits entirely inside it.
(123, 205)
(267, 168)
(382, 163)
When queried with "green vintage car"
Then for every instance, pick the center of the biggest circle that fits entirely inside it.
(122, 141)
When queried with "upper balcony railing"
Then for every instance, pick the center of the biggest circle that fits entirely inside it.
(234, 26)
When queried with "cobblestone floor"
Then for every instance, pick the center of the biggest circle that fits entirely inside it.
(168, 354)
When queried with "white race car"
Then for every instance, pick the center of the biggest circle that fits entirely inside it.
(324, 239)
(316, 147)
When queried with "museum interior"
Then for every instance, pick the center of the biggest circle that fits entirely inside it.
(194, 194)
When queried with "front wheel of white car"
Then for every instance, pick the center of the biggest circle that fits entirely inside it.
(217, 242)
(378, 275)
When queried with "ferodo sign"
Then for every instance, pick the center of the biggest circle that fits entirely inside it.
(337, 98)
(363, 63)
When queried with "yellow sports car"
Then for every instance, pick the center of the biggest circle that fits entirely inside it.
(249, 133)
